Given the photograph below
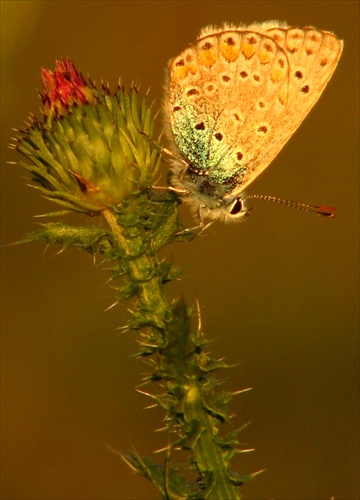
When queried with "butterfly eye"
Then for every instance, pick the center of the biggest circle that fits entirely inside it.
(236, 208)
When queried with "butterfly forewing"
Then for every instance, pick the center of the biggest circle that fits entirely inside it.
(312, 58)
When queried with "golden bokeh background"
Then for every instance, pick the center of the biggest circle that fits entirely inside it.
(279, 292)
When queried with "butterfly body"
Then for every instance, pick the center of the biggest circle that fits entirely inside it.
(234, 98)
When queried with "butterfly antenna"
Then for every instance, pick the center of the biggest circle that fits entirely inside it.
(316, 209)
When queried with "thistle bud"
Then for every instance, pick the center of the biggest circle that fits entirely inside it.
(92, 149)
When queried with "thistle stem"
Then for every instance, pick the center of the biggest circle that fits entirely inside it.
(208, 455)
(179, 367)
(141, 270)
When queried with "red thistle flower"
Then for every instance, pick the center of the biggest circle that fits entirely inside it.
(64, 87)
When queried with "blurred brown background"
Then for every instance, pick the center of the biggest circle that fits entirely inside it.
(279, 293)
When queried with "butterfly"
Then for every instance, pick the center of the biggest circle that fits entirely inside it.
(233, 100)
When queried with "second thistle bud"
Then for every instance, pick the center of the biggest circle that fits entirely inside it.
(91, 150)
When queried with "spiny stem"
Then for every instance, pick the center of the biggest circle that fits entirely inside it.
(154, 310)
(178, 367)
(208, 455)
(139, 268)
